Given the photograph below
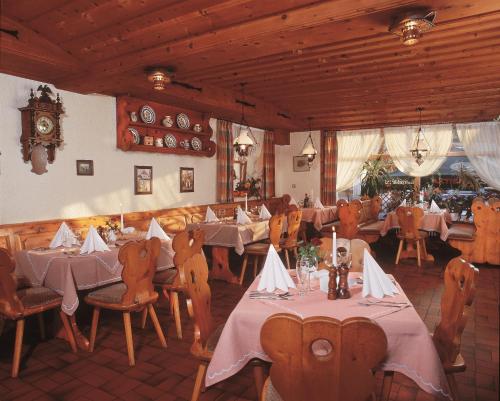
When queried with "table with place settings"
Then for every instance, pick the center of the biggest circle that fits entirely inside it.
(319, 216)
(431, 222)
(410, 348)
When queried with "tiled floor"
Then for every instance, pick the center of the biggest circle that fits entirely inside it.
(51, 372)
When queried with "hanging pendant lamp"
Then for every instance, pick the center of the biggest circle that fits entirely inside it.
(420, 149)
(309, 149)
(245, 141)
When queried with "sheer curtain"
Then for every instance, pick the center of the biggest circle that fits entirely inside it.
(354, 148)
(481, 143)
(399, 141)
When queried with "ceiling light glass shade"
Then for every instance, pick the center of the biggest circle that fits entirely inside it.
(309, 150)
(420, 148)
(411, 33)
(160, 77)
(243, 143)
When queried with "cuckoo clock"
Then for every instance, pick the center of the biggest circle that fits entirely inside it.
(41, 130)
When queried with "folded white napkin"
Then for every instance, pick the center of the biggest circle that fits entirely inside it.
(434, 207)
(274, 275)
(128, 230)
(293, 202)
(318, 204)
(93, 242)
(112, 236)
(242, 218)
(403, 204)
(375, 281)
(155, 230)
(264, 213)
(64, 236)
(210, 216)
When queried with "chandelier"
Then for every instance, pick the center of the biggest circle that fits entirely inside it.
(309, 149)
(411, 26)
(420, 149)
(245, 141)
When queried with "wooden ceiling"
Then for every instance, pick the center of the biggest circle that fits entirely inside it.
(334, 61)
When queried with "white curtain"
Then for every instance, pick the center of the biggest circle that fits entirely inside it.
(481, 143)
(353, 149)
(399, 141)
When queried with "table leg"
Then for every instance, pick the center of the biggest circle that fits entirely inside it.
(220, 265)
(411, 252)
(82, 342)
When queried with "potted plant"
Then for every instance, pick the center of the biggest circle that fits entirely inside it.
(375, 172)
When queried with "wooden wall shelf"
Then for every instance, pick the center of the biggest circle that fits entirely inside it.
(124, 139)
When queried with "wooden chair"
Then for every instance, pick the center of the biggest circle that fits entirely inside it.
(169, 280)
(321, 358)
(459, 290)
(349, 215)
(356, 246)
(260, 249)
(409, 221)
(18, 304)
(290, 243)
(35, 240)
(134, 294)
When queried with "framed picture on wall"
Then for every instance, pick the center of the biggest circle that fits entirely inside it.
(300, 163)
(143, 180)
(186, 179)
(84, 167)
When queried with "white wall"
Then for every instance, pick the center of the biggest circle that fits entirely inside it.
(89, 130)
(297, 184)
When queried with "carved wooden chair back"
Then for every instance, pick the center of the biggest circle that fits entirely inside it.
(356, 247)
(376, 205)
(185, 245)
(409, 221)
(349, 215)
(321, 358)
(294, 218)
(459, 291)
(35, 240)
(6, 243)
(492, 200)
(139, 265)
(275, 229)
(173, 224)
(10, 305)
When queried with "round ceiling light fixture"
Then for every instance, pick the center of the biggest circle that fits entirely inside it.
(411, 26)
(160, 76)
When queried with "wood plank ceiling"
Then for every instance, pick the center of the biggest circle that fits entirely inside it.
(334, 61)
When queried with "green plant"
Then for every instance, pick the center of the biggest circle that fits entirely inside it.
(375, 172)
(310, 252)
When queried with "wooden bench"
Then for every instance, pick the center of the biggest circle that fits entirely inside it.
(479, 242)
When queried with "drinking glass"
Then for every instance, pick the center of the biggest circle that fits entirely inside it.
(302, 276)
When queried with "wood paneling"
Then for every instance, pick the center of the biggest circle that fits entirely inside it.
(332, 60)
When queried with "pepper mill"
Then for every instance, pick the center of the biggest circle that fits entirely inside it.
(332, 284)
(343, 287)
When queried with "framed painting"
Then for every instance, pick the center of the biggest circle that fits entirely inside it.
(186, 179)
(143, 180)
(300, 163)
(84, 167)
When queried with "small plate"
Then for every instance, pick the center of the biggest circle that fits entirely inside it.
(148, 114)
(170, 141)
(135, 134)
(183, 121)
(196, 143)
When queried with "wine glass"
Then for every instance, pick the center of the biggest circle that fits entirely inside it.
(302, 276)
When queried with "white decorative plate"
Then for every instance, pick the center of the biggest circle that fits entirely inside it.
(148, 114)
(196, 143)
(135, 134)
(183, 121)
(170, 141)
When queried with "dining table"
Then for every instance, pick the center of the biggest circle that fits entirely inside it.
(66, 271)
(410, 349)
(227, 234)
(319, 216)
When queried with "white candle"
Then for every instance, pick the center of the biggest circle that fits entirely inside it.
(334, 247)
(121, 217)
(246, 202)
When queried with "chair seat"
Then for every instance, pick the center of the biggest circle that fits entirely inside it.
(464, 232)
(457, 366)
(165, 277)
(259, 248)
(38, 297)
(289, 245)
(421, 235)
(375, 227)
(111, 297)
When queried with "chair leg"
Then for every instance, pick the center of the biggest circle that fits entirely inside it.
(255, 265)
(156, 324)
(177, 314)
(243, 268)
(400, 248)
(68, 330)
(41, 325)
(128, 337)
(287, 257)
(419, 263)
(93, 328)
(2, 325)
(200, 377)
(452, 384)
(18, 347)
(258, 375)
(386, 385)
(144, 317)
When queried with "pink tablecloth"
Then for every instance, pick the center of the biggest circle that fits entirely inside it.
(66, 273)
(319, 216)
(410, 347)
(431, 222)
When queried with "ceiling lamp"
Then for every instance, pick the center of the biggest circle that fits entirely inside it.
(160, 76)
(308, 149)
(411, 26)
(245, 141)
(420, 148)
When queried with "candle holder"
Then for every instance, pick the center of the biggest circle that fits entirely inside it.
(344, 263)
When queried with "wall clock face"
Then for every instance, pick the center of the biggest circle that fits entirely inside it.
(44, 125)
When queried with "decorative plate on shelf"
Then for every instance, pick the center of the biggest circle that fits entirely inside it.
(135, 135)
(148, 114)
(196, 143)
(170, 141)
(183, 121)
